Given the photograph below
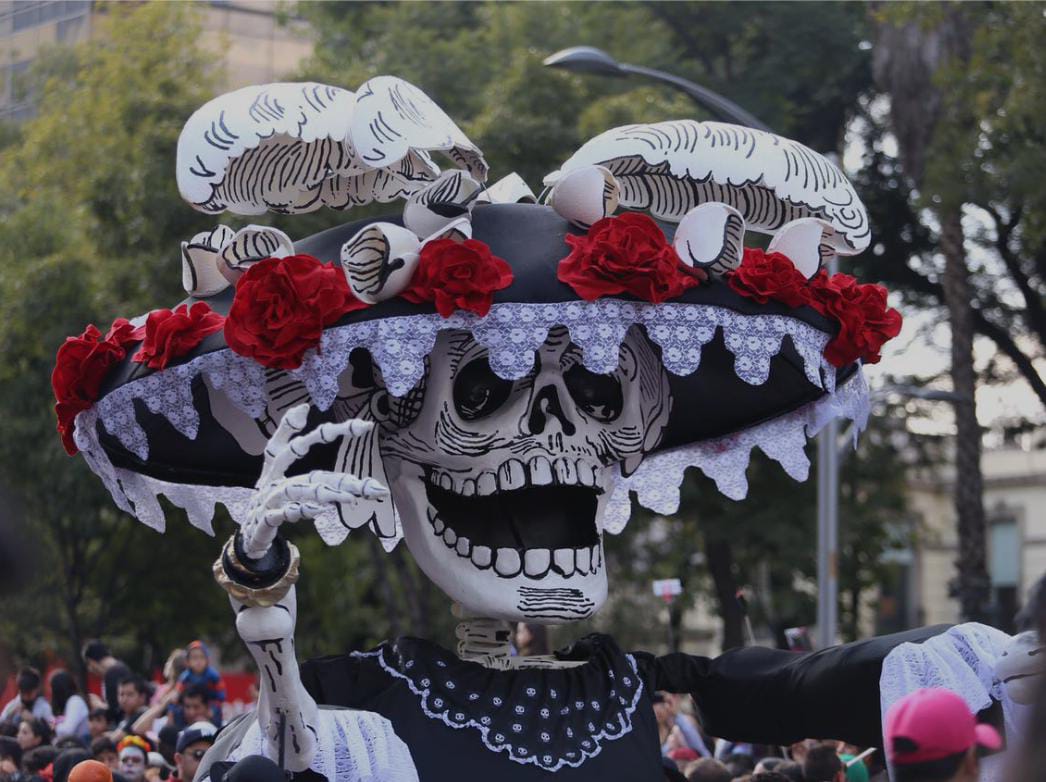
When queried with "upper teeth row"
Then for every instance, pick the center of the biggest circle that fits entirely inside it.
(514, 474)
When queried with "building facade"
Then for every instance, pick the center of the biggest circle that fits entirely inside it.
(253, 40)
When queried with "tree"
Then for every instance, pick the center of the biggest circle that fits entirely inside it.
(965, 83)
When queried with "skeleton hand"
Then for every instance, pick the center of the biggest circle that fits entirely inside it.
(280, 499)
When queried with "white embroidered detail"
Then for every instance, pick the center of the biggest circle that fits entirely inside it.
(499, 742)
(725, 460)
(353, 745)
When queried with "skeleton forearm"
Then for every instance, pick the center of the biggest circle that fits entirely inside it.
(263, 596)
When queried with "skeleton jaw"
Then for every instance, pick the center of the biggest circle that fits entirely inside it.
(520, 542)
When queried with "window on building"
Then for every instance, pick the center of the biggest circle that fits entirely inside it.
(1004, 558)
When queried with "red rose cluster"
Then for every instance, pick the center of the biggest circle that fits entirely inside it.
(281, 307)
(865, 320)
(80, 367)
(458, 276)
(626, 254)
(173, 333)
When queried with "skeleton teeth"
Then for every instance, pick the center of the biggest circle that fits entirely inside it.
(464, 548)
(450, 537)
(487, 483)
(438, 525)
(597, 562)
(583, 559)
(508, 563)
(586, 474)
(566, 472)
(468, 487)
(540, 471)
(446, 482)
(481, 556)
(511, 475)
(536, 562)
(564, 559)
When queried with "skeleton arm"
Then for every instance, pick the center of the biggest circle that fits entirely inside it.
(259, 569)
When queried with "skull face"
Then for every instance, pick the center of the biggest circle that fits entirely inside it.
(501, 485)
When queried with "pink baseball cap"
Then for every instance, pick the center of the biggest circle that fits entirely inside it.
(931, 724)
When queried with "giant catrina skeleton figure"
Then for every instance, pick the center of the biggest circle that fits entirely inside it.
(494, 380)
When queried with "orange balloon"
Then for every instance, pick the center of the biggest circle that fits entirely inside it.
(90, 771)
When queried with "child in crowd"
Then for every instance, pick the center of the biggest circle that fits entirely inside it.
(199, 671)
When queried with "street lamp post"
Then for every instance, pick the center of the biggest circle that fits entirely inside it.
(589, 59)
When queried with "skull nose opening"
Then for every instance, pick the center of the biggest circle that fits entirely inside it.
(547, 405)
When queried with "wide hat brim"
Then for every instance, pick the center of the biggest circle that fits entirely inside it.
(734, 364)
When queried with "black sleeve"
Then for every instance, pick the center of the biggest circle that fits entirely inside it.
(771, 696)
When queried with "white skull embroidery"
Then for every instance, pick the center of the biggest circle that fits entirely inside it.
(501, 485)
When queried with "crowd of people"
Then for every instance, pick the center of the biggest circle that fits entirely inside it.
(930, 736)
(135, 730)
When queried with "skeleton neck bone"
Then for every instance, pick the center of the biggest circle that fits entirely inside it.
(486, 641)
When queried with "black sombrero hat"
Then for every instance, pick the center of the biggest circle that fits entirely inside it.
(746, 370)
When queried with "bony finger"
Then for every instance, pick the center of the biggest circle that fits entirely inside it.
(374, 489)
(294, 421)
(291, 513)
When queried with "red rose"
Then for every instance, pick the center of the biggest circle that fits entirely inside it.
(281, 307)
(173, 333)
(764, 277)
(865, 320)
(626, 254)
(458, 276)
(80, 367)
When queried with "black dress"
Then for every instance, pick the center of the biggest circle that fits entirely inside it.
(595, 721)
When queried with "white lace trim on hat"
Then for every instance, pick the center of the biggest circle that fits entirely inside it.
(511, 333)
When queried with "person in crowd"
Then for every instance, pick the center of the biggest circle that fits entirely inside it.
(29, 702)
(132, 694)
(91, 771)
(856, 770)
(157, 768)
(172, 671)
(531, 639)
(33, 732)
(66, 761)
(200, 671)
(133, 753)
(193, 743)
(103, 749)
(798, 750)
(10, 758)
(97, 723)
(36, 761)
(100, 662)
(768, 776)
(821, 764)
(70, 709)
(708, 770)
(932, 736)
(167, 742)
(739, 764)
(193, 706)
(767, 764)
(790, 769)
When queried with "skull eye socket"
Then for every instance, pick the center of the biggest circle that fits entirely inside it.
(478, 392)
(599, 396)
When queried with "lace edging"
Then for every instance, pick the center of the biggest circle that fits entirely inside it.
(725, 460)
(423, 695)
(511, 332)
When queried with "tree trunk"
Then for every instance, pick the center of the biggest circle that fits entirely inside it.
(721, 567)
(971, 586)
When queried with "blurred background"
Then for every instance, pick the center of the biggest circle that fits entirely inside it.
(935, 111)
